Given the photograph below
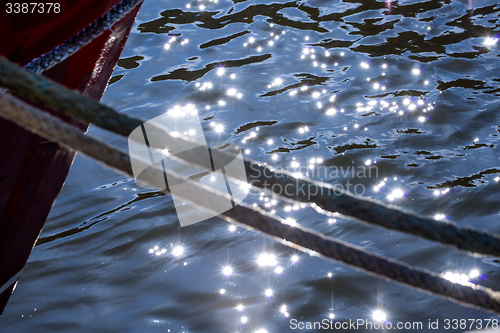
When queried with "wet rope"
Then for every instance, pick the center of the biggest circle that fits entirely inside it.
(41, 91)
(95, 29)
(255, 218)
(55, 130)
(10, 282)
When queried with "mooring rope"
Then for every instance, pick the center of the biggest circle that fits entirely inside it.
(41, 91)
(10, 282)
(53, 129)
(254, 218)
(95, 29)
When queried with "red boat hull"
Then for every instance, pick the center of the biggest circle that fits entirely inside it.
(32, 169)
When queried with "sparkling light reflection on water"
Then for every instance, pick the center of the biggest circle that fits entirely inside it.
(408, 87)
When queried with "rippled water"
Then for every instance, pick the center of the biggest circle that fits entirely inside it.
(408, 87)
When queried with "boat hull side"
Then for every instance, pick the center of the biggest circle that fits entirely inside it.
(33, 169)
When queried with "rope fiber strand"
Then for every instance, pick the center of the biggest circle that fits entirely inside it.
(41, 91)
(254, 218)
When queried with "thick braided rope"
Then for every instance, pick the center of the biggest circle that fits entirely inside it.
(49, 127)
(326, 198)
(337, 250)
(95, 29)
(255, 218)
(40, 91)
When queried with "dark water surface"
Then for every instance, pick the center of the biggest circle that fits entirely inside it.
(409, 87)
